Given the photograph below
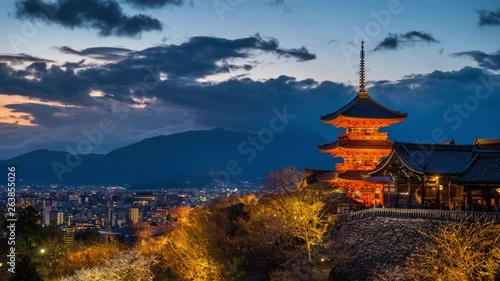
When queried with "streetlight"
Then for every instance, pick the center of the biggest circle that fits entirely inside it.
(42, 251)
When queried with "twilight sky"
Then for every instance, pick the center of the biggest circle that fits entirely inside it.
(152, 67)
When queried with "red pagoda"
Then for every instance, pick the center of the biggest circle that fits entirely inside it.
(362, 146)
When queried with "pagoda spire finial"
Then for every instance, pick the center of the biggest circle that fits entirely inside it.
(362, 70)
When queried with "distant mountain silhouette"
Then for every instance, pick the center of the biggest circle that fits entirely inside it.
(193, 156)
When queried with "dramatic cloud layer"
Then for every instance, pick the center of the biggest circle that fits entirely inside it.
(121, 80)
(99, 53)
(105, 16)
(158, 90)
(489, 17)
(489, 61)
(398, 41)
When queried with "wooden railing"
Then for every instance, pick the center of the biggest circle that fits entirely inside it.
(418, 214)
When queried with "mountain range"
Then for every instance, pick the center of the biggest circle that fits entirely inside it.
(192, 157)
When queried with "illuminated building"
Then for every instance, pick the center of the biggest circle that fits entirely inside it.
(69, 236)
(442, 176)
(362, 146)
(134, 215)
(56, 217)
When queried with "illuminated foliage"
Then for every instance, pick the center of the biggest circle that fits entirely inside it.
(129, 266)
(196, 250)
(85, 256)
(458, 251)
(283, 219)
(180, 213)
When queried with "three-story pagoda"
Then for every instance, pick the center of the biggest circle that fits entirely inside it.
(362, 146)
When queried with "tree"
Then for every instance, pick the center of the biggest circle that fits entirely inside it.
(236, 270)
(85, 255)
(284, 180)
(198, 249)
(50, 262)
(286, 218)
(122, 267)
(302, 213)
(458, 251)
(29, 226)
(25, 270)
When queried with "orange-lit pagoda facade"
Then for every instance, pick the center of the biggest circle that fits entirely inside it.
(362, 146)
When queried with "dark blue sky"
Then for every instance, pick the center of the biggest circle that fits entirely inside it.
(165, 66)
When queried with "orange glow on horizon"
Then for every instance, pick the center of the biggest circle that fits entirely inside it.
(8, 116)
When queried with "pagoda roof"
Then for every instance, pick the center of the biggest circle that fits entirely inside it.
(347, 175)
(488, 144)
(348, 143)
(430, 158)
(363, 106)
(484, 168)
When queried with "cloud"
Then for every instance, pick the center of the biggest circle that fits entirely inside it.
(73, 65)
(197, 58)
(105, 16)
(49, 84)
(301, 54)
(21, 58)
(398, 41)
(119, 80)
(143, 4)
(98, 53)
(489, 17)
(489, 61)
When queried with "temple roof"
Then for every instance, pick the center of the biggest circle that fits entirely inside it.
(430, 158)
(348, 143)
(363, 106)
(484, 168)
(347, 175)
(488, 144)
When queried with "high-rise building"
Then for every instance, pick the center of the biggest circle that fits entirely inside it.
(134, 215)
(56, 217)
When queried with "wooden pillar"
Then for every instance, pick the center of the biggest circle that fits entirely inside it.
(422, 186)
(438, 197)
(469, 198)
(396, 187)
(409, 191)
(497, 197)
(488, 197)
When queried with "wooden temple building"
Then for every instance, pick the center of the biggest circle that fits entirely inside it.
(441, 176)
(376, 171)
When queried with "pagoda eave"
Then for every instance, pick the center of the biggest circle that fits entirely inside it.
(360, 122)
(341, 148)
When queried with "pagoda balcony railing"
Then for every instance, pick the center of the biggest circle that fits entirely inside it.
(441, 215)
(342, 167)
(364, 135)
